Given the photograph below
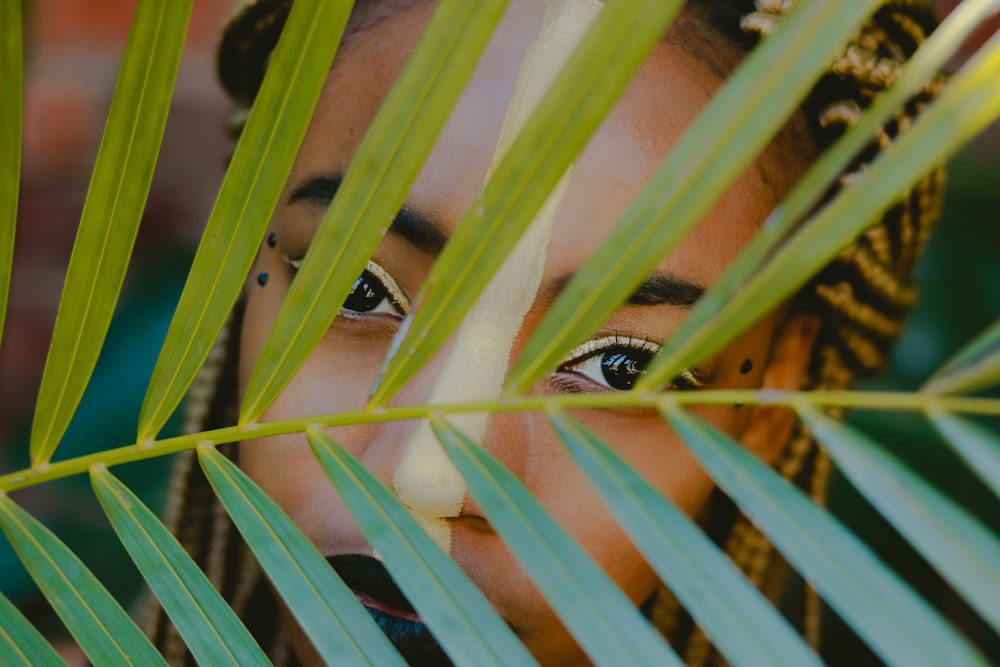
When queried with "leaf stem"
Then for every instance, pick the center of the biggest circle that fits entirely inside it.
(864, 400)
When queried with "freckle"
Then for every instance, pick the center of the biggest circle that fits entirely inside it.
(272, 240)
(746, 367)
(262, 279)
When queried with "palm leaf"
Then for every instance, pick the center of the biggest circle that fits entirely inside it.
(606, 624)
(209, 627)
(103, 630)
(110, 220)
(387, 163)
(897, 624)
(458, 614)
(562, 123)
(975, 367)
(729, 133)
(20, 644)
(682, 349)
(11, 128)
(978, 446)
(963, 110)
(718, 597)
(328, 612)
(246, 199)
(961, 548)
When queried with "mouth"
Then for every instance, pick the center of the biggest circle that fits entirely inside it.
(386, 604)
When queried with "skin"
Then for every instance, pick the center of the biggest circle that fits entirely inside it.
(661, 102)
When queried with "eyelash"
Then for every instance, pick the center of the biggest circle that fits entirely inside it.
(373, 272)
(621, 346)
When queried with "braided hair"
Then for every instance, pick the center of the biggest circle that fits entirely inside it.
(861, 298)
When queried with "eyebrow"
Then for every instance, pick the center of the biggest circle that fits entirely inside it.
(657, 290)
(408, 223)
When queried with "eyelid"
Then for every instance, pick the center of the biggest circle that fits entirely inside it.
(396, 294)
(597, 345)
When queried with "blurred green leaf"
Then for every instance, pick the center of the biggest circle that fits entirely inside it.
(604, 622)
(374, 188)
(461, 619)
(253, 184)
(102, 629)
(111, 215)
(896, 623)
(718, 597)
(962, 550)
(979, 447)
(606, 60)
(327, 611)
(20, 643)
(975, 367)
(11, 128)
(729, 133)
(209, 627)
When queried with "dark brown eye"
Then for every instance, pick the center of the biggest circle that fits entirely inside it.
(620, 369)
(369, 295)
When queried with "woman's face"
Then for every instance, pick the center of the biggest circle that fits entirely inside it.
(663, 99)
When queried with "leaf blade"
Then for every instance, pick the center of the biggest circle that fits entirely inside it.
(925, 63)
(458, 614)
(564, 120)
(959, 113)
(373, 190)
(325, 608)
(605, 623)
(102, 629)
(111, 215)
(716, 595)
(962, 550)
(867, 595)
(247, 197)
(11, 130)
(20, 643)
(974, 367)
(979, 447)
(208, 626)
(729, 133)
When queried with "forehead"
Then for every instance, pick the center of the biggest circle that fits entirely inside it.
(659, 104)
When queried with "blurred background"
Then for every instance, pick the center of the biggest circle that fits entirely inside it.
(73, 51)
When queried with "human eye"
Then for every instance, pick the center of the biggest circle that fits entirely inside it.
(616, 362)
(375, 292)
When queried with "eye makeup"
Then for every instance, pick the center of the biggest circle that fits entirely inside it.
(614, 363)
(373, 280)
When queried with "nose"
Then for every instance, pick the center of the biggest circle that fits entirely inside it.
(473, 368)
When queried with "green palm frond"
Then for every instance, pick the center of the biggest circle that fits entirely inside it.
(893, 620)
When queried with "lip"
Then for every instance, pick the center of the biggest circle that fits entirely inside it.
(371, 582)
(389, 608)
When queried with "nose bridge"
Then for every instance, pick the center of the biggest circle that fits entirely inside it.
(474, 367)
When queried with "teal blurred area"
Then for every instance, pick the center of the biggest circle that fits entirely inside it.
(106, 418)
